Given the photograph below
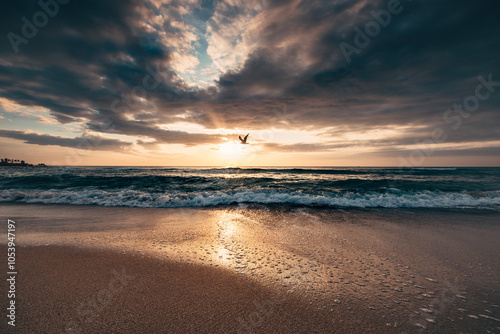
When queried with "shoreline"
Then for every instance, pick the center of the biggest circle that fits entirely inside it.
(279, 206)
(376, 269)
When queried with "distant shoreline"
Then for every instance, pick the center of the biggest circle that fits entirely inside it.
(18, 163)
(26, 165)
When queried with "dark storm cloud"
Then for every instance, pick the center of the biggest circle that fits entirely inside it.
(67, 64)
(90, 55)
(83, 142)
(427, 58)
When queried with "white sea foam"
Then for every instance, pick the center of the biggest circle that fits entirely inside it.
(135, 198)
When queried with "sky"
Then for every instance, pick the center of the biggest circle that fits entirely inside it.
(315, 83)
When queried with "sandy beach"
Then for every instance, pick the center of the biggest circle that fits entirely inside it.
(254, 269)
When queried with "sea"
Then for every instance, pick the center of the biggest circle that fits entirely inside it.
(337, 187)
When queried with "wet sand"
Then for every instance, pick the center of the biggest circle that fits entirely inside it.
(212, 270)
(63, 289)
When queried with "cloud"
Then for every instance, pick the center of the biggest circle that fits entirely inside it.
(269, 54)
(230, 34)
(85, 142)
(161, 136)
(303, 147)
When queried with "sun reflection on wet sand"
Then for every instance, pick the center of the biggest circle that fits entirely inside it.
(229, 238)
(227, 232)
(326, 256)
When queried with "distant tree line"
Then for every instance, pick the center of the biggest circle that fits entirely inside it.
(16, 162)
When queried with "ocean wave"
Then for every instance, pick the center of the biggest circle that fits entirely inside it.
(135, 198)
(435, 168)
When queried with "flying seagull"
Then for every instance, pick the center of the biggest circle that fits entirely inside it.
(244, 140)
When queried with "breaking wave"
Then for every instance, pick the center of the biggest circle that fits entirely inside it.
(135, 198)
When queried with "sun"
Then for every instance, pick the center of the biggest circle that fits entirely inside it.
(233, 153)
(229, 150)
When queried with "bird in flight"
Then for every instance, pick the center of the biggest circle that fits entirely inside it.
(244, 140)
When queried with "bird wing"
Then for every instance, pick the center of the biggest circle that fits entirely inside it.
(240, 138)
(246, 137)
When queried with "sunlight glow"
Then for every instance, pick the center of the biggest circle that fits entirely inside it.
(233, 153)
